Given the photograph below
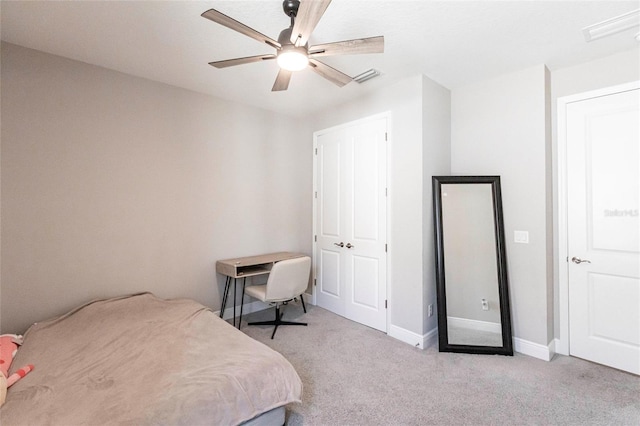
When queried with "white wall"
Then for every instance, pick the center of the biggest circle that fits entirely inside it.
(404, 100)
(415, 104)
(113, 184)
(436, 161)
(0, 196)
(610, 71)
(499, 128)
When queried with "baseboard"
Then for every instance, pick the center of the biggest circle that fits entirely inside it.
(552, 349)
(535, 350)
(248, 308)
(252, 307)
(561, 346)
(431, 338)
(414, 339)
(308, 299)
(469, 324)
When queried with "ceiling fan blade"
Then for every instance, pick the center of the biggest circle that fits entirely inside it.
(240, 61)
(282, 80)
(222, 19)
(308, 16)
(349, 47)
(337, 77)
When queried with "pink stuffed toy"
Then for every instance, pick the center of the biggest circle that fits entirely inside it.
(8, 347)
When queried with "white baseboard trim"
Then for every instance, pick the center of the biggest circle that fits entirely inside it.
(431, 338)
(561, 346)
(469, 324)
(414, 339)
(254, 306)
(249, 308)
(535, 350)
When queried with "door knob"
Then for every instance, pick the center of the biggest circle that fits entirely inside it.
(578, 261)
(339, 245)
(349, 245)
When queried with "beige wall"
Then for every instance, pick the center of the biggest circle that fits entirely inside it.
(113, 184)
(436, 161)
(418, 147)
(403, 100)
(499, 127)
(507, 125)
(0, 195)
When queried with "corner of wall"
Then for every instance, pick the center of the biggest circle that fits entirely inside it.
(436, 160)
(536, 350)
(1, 310)
(420, 341)
(508, 115)
(549, 193)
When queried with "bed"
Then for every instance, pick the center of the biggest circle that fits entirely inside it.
(143, 360)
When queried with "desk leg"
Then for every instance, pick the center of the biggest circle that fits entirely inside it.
(235, 285)
(244, 283)
(225, 294)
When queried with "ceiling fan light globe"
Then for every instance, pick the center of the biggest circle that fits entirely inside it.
(292, 60)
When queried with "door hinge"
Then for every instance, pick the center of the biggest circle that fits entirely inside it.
(385, 136)
(316, 194)
(385, 303)
(314, 282)
(386, 192)
(385, 247)
(315, 238)
(316, 151)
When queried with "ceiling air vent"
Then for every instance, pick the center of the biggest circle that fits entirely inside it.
(367, 75)
(612, 26)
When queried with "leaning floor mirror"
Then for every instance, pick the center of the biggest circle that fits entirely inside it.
(471, 274)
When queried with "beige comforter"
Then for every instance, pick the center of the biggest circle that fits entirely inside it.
(142, 360)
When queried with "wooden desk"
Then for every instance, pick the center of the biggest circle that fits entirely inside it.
(243, 267)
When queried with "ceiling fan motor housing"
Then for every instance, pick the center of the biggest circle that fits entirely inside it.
(285, 38)
(290, 50)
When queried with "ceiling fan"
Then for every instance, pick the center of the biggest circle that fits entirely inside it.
(293, 52)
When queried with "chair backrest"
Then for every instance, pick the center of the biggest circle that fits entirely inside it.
(288, 279)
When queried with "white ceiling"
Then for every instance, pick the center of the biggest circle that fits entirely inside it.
(453, 42)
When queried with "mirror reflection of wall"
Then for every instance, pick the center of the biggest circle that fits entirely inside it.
(473, 303)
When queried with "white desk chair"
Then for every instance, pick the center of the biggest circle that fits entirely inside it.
(287, 280)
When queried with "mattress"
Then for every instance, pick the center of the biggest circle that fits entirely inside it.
(143, 360)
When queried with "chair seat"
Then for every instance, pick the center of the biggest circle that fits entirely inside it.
(260, 293)
(288, 279)
(257, 291)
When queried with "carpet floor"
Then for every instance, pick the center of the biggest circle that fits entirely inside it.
(354, 375)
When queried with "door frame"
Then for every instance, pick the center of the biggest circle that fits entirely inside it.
(314, 197)
(562, 341)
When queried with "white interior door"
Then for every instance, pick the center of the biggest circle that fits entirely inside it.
(603, 232)
(351, 221)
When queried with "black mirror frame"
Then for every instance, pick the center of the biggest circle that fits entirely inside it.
(503, 286)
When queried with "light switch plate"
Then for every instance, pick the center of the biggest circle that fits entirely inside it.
(521, 237)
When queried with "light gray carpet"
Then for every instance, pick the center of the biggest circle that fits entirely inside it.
(354, 375)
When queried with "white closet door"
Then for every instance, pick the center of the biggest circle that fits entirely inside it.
(351, 221)
(330, 291)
